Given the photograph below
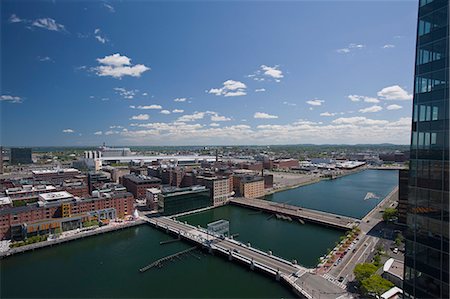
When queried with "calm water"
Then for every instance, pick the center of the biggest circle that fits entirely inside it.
(107, 266)
(344, 195)
(290, 240)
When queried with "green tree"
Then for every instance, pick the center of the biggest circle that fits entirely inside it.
(389, 214)
(375, 284)
(364, 271)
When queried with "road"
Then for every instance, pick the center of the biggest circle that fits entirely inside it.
(338, 221)
(368, 239)
(298, 277)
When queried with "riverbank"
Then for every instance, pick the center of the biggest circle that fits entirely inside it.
(314, 179)
(72, 237)
(382, 204)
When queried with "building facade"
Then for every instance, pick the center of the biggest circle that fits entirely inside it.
(248, 186)
(60, 210)
(20, 155)
(219, 188)
(175, 200)
(138, 184)
(403, 176)
(427, 236)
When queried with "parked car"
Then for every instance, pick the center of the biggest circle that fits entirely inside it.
(395, 250)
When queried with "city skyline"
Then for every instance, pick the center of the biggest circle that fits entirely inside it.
(150, 73)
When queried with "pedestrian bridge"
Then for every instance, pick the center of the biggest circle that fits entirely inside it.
(308, 215)
(302, 280)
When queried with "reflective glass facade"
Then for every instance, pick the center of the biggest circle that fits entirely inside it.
(427, 236)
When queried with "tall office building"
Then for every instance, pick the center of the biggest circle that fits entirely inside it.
(427, 236)
(20, 155)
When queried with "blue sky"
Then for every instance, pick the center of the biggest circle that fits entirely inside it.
(199, 73)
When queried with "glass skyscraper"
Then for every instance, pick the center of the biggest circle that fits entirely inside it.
(427, 236)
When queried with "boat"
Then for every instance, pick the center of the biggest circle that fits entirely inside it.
(371, 195)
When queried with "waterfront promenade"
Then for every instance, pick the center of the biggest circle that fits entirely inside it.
(366, 243)
(74, 236)
(314, 216)
(302, 280)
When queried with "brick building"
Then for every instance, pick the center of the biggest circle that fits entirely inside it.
(54, 176)
(248, 186)
(138, 184)
(285, 163)
(219, 188)
(60, 210)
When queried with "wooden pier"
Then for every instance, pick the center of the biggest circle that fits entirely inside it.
(161, 260)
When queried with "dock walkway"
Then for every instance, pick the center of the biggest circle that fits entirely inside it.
(166, 258)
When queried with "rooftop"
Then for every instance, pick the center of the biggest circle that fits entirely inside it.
(29, 188)
(5, 201)
(54, 171)
(175, 191)
(251, 179)
(52, 196)
(394, 267)
(141, 178)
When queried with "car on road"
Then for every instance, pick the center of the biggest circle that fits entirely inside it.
(295, 274)
(354, 250)
(395, 250)
(235, 250)
(341, 279)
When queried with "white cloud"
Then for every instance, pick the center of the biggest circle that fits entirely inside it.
(117, 66)
(49, 24)
(109, 7)
(371, 109)
(126, 94)
(44, 23)
(145, 94)
(164, 112)
(356, 46)
(14, 19)
(260, 89)
(343, 50)
(45, 58)
(357, 98)
(98, 133)
(177, 111)
(99, 37)
(140, 117)
(394, 92)
(68, 131)
(394, 107)
(180, 100)
(263, 115)
(388, 46)
(217, 117)
(191, 117)
(289, 104)
(214, 125)
(315, 102)
(230, 88)
(11, 99)
(359, 120)
(327, 114)
(356, 130)
(116, 127)
(272, 71)
(350, 48)
(147, 107)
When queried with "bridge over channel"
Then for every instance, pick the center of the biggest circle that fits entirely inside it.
(308, 215)
(303, 281)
